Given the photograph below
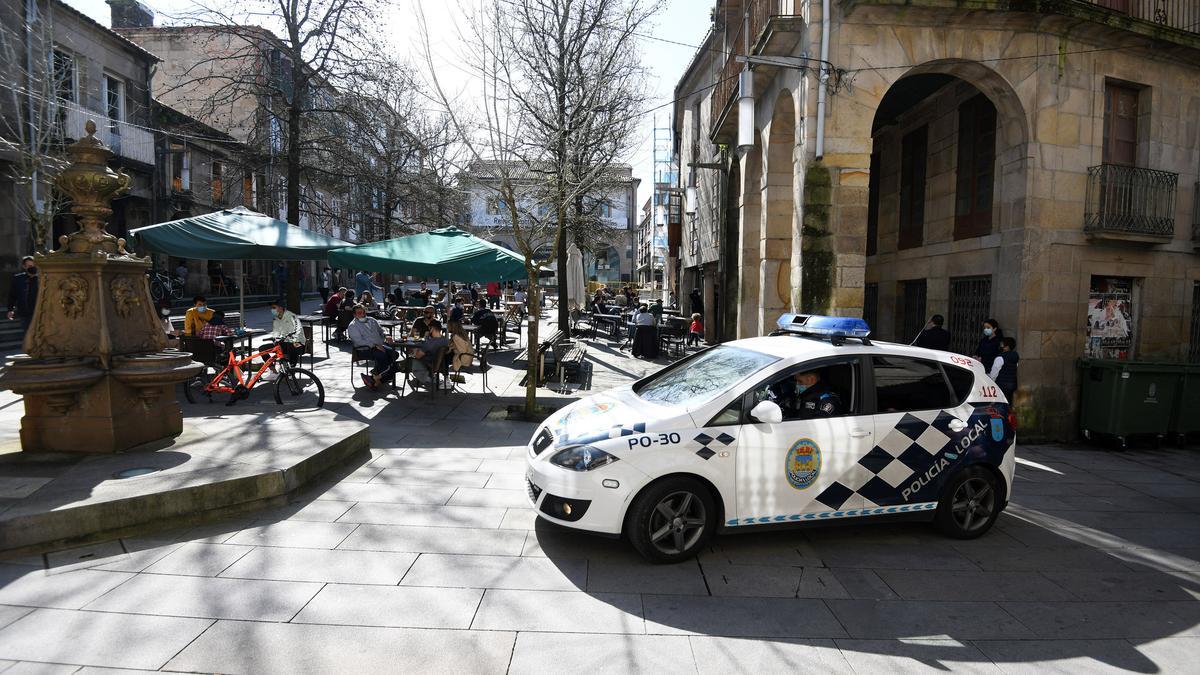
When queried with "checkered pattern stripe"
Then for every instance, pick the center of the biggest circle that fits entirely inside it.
(615, 431)
(899, 456)
(707, 453)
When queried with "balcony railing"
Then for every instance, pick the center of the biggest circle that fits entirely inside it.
(1179, 14)
(1130, 202)
(1196, 214)
(760, 13)
(123, 139)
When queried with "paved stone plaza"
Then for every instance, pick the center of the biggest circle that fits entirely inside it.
(424, 557)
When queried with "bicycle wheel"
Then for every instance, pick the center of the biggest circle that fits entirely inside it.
(157, 292)
(193, 387)
(177, 290)
(299, 389)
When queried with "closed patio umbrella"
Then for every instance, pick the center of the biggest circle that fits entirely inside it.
(576, 288)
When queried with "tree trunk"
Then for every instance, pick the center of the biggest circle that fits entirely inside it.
(293, 191)
(561, 257)
(531, 348)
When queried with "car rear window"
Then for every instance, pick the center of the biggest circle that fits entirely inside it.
(903, 384)
(704, 376)
(961, 381)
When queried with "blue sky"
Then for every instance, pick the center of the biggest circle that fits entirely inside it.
(680, 21)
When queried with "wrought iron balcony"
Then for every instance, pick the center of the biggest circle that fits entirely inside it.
(1130, 203)
(1196, 215)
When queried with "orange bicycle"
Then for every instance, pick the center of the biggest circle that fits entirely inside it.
(295, 387)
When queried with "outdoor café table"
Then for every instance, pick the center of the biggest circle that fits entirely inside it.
(406, 347)
(390, 325)
(613, 321)
(512, 311)
(248, 334)
(312, 320)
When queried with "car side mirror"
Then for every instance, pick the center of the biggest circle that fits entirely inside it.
(767, 412)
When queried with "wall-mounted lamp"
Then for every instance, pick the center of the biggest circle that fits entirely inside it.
(689, 194)
(745, 136)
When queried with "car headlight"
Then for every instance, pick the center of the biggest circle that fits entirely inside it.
(581, 458)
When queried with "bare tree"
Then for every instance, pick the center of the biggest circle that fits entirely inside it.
(399, 155)
(31, 116)
(573, 68)
(499, 157)
(287, 80)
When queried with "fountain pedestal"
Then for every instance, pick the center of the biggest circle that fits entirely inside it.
(96, 375)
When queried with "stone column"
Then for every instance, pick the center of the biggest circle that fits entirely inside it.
(750, 223)
(775, 244)
(96, 376)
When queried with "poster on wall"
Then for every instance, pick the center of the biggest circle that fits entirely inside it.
(1110, 318)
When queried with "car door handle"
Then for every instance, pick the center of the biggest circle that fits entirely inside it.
(957, 425)
(859, 433)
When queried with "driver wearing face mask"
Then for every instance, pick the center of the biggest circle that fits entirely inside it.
(805, 396)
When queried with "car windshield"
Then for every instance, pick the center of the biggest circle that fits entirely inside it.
(704, 376)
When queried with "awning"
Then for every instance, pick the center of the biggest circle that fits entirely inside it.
(448, 253)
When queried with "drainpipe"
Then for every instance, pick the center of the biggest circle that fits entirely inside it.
(824, 77)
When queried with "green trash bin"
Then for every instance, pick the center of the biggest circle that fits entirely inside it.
(1186, 419)
(1127, 398)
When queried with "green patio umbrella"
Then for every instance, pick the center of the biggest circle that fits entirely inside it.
(234, 234)
(448, 253)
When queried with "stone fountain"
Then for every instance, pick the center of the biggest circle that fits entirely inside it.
(96, 375)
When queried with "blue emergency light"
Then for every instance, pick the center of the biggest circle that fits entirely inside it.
(830, 326)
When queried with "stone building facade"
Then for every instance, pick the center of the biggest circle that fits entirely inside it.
(69, 69)
(254, 165)
(1031, 162)
(613, 206)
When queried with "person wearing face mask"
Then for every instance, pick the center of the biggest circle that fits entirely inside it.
(989, 346)
(286, 332)
(22, 293)
(197, 316)
(164, 312)
(368, 338)
(805, 396)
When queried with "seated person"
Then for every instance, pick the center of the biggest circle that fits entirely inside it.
(456, 310)
(461, 352)
(216, 328)
(334, 303)
(164, 309)
(656, 309)
(643, 317)
(368, 337)
(368, 301)
(805, 396)
(421, 326)
(425, 356)
(286, 332)
(196, 316)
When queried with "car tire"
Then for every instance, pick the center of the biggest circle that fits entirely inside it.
(970, 504)
(671, 520)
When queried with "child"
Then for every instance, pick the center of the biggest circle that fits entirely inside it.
(1004, 368)
(696, 331)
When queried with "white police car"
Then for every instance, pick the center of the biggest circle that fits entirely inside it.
(812, 423)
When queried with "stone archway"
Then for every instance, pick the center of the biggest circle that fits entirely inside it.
(931, 231)
(778, 214)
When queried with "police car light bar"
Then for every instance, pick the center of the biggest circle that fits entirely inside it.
(831, 326)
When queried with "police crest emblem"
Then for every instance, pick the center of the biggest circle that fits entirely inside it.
(803, 463)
